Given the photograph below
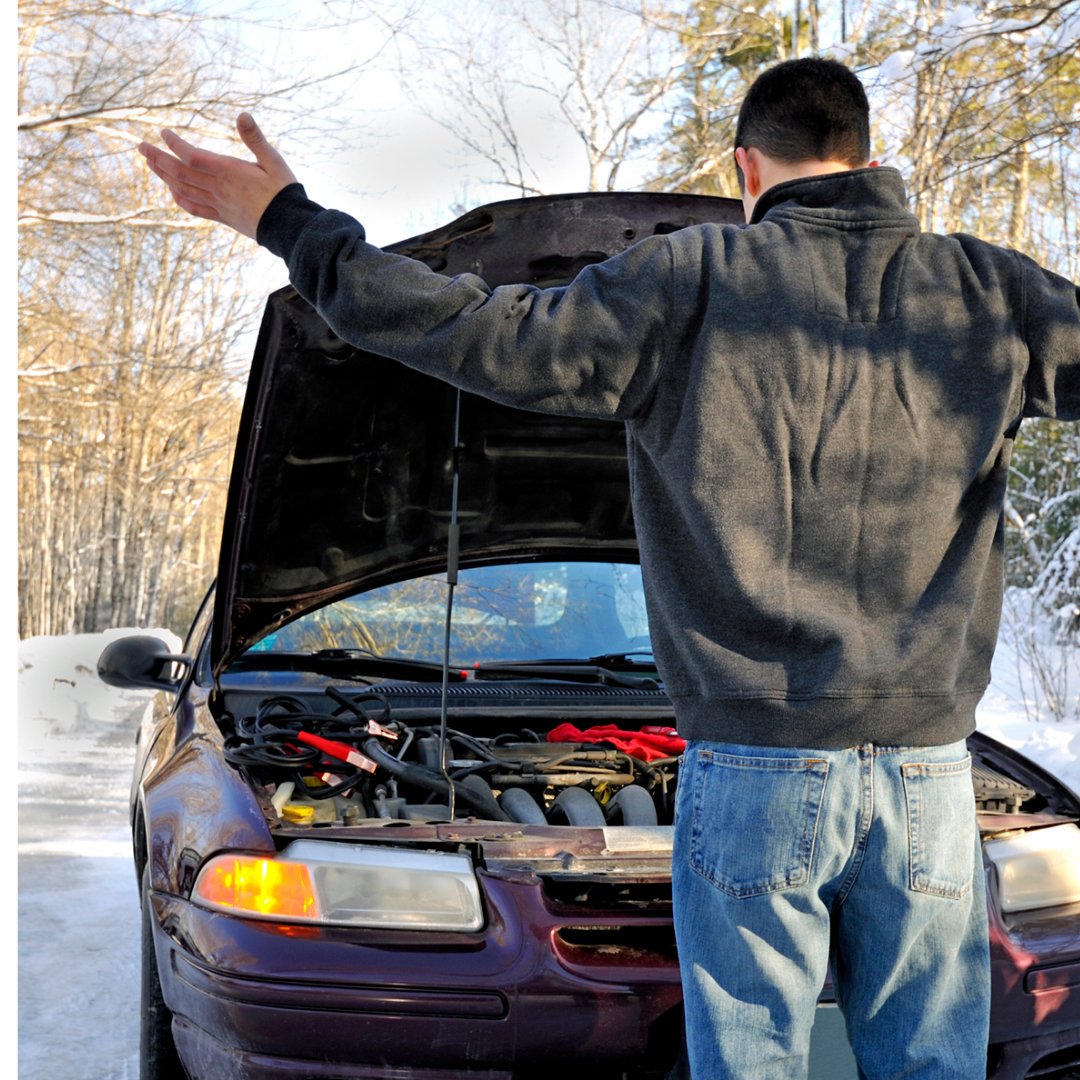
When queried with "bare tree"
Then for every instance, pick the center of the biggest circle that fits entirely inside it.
(129, 320)
(976, 105)
(509, 80)
(981, 113)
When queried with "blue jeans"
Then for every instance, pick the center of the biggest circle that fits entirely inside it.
(787, 857)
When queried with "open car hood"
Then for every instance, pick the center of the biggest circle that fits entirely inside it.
(343, 473)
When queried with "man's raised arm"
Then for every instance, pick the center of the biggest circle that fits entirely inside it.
(216, 186)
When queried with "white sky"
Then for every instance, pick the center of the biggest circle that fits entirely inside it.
(397, 171)
(402, 171)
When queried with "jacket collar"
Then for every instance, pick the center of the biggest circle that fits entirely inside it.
(859, 194)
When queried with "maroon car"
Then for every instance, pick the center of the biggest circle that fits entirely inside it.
(403, 807)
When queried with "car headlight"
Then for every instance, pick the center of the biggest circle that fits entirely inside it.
(345, 885)
(1037, 868)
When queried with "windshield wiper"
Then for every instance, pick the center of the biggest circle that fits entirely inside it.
(345, 661)
(598, 669)
(625, 659)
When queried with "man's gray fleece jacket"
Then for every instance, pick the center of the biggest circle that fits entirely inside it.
(819, 408)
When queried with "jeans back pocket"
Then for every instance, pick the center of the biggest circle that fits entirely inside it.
(941, 826)
(754, 820)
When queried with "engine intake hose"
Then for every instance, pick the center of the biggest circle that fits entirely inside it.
(480, 799)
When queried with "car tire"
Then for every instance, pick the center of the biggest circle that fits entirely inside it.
(158, 1059)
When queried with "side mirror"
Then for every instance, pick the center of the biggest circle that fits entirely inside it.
(140, 660)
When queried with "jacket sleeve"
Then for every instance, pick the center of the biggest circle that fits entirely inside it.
(592, 348)
(1051, 327)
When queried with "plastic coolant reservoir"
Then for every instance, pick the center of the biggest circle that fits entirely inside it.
(1037, 868)
(283, 795)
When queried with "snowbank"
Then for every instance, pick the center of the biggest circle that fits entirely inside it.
(1033, 701)
(60, 694)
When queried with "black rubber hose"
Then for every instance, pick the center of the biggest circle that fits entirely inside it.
(483, 801)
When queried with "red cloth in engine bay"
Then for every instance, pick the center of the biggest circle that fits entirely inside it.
(648, 743)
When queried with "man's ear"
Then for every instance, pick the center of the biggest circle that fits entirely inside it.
(749, 162)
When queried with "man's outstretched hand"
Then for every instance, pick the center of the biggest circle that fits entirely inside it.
(216, 186)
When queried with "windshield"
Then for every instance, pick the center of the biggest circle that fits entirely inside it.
(517, 611)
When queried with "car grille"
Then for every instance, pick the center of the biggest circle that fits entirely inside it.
(639, 941)
(651, 899)
(633, 921)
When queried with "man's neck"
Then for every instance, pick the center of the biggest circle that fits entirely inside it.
(761, 172)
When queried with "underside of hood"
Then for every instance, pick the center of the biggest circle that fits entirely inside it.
(344, 467)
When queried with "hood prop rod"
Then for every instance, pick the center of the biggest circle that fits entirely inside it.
(451, 583)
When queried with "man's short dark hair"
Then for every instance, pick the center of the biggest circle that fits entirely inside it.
(806, 110)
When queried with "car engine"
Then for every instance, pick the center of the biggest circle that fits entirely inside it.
(358, 761)
(344, 757)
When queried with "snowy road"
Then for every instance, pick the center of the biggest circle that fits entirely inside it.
(78, 916)
(78, 941)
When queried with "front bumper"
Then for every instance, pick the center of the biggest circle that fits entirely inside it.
(596, 991)
(263, 1001)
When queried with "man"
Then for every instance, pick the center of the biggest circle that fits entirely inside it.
(819, 407)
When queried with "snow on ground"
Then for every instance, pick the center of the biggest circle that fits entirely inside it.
(78, 903)
(60, 693)
(78, 939)
(1033, 702)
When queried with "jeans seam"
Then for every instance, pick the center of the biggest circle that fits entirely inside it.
(810, 841)
(866, 820)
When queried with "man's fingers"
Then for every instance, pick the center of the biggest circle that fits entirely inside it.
(167, 165)
(194, 207)
(181, 147)
(175, 173)
(204, 162)
(220, 187)
(186, 196)
(265, 154)
(253, 137)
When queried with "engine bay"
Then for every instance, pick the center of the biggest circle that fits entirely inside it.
(347, 757)
(531, 754)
